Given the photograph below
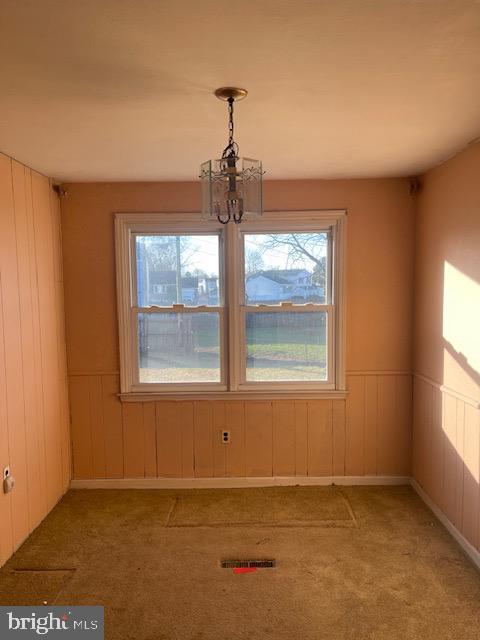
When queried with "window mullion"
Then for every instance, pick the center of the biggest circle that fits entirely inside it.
(177, 309)
(292, 308)
(234, 273)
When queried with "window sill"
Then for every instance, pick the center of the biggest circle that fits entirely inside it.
(149, 396)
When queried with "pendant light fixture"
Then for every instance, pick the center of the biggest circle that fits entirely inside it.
(231, 186)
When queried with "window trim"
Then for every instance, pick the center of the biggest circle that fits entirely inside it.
(231, 275)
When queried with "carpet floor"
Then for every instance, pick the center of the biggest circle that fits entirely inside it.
(353, 563)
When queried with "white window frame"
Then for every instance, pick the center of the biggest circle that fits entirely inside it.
(231, 307)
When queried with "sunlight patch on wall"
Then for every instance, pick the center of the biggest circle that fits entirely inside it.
(461, 333)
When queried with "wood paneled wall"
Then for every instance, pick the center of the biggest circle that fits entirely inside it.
(34, 433)
(446, 454)
(446, 442)
(368, 434)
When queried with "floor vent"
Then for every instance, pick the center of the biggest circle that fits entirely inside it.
(241, 564)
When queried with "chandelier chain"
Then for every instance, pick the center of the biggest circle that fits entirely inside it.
(230, 121)
(231, 149)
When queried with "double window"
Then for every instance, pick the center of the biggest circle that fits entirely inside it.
(249, 308)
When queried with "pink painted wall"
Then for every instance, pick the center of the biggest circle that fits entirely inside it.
(367, 434)
(34, 433)
(446, 442)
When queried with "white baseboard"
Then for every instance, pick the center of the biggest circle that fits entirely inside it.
(469, 549)
(228, 483)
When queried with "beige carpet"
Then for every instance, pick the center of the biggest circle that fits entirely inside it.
(352, 563)
(32, 587)
(280, 506)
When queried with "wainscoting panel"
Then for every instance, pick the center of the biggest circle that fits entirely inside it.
(367, 434)
(446, 454)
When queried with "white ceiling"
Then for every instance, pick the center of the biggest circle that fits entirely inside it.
(122, 89)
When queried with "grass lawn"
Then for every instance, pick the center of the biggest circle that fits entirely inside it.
(286, 354)
(272, 355)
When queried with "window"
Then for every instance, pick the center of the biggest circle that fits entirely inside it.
(237, 309)
(286, 310)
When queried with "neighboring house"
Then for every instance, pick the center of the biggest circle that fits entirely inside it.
(282, 285)
(208, 290)
(161, 289)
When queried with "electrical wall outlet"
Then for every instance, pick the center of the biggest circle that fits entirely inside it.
(226, 437)
(8, 480)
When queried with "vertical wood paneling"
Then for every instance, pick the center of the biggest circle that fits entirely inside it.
(235, 452)
(283, 426)
(460, 464)
(185, 422)
(417, 441)
(169, 440)
(281, 437)
(35, 484)
(219, 449)
(113, 429)
(355, 425)
(203, 439)
(65, 446)
(370, 425)
(446, 451)
(37, 435)
(301, 438)
(97, 426)
(386, 425)
(320, 438)
(150, 439)
(471, 476)
(450, 460)
(403, 426)
(6, 535)
(81, 427)
(132, 416)
(43, 222)
(258, 438)
(34, 430)
(13, 351)
(339, 437)
(437, 448)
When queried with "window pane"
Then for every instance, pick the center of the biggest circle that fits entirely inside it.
(177, 269)
(286, 346)
(286, 267)
(179, 347)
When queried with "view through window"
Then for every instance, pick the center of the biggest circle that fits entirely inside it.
(173, 346)
(288, 272)
(246, 307)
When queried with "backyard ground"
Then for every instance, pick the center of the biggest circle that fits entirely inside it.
(279, 354)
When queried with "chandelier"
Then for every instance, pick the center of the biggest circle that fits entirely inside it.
(231, 186)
